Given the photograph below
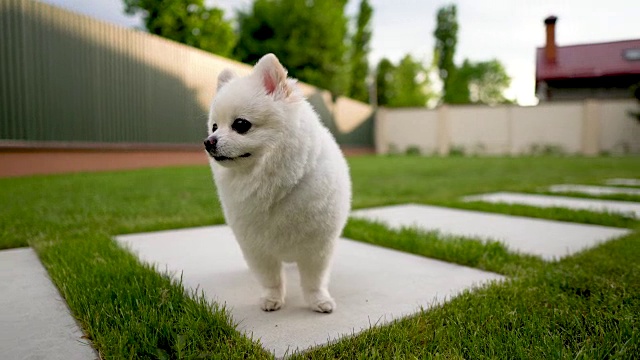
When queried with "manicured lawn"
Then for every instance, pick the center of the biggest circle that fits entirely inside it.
(585, 306)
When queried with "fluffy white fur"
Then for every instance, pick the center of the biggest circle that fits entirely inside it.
(289, 199)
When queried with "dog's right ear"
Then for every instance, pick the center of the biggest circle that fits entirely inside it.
(273, 77)
(225, 76)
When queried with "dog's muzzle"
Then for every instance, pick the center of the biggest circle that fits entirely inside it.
(210, 144)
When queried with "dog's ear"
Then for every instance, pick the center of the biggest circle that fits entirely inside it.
(225, 76)
(273, 76)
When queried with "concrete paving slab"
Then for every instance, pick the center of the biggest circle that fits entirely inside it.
(35, 322)
(545, 238)
(593, 190)
(627, 208)
(371, 285)
(623, 182)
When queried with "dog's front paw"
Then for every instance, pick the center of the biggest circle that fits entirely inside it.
(270, 304)
(272, 298)
(326, 306)
(320, 302)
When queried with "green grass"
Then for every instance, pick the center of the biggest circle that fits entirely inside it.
(443, 180)
(585, 306)
(485, 255)
(127, 309)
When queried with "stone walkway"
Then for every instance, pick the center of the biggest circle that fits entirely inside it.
(593, 190)
(546, 238)
(623, 182)
(622, 207)
(35, 322)
(371, 285)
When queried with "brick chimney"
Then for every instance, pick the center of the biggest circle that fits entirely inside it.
(550, 46)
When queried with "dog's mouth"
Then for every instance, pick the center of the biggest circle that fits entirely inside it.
(225, 158)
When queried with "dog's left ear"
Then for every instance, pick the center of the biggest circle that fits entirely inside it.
(273, 76)
(225, 76)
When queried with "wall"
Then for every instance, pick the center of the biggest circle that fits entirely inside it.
(397, 129)
(491, 138)
(589, 127)
(557, 124)
(66, 77)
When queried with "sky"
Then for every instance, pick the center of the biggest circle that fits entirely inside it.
(507, 30)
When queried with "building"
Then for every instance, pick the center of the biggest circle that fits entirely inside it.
(599, 71)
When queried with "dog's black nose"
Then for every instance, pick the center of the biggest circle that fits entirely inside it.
(210, 143)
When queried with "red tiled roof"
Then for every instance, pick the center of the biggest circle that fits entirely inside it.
(588, 61)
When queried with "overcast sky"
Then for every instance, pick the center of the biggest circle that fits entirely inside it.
(508, 30)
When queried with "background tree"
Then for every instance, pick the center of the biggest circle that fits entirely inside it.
(404, 85)
(384, 81)
(458, 87)
(257, 32)
(472, 82)
(186, 21)
(487, 82)
(446, 34)
(307, 36)
(479, 83)
(359, 65)
(409, 84)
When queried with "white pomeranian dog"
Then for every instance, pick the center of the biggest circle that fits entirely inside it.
(282, 180)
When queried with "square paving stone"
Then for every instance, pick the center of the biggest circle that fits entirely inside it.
(623, 182)
(35, 322)
(371, 285)
(627, 208)
(593, 190)
(546, 238)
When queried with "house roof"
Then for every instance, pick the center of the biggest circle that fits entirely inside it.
(589, 61)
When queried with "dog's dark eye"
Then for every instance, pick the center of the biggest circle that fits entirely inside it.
(214, 128)
(241, 126)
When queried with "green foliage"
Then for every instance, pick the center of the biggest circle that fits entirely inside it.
(458, 88)
(359, 50)
(186, 21)
(413, 150)
(384, 82)
(473, 82)
(307, 36)
(410, 82)
(457, 150)
(479, 83)
(392, 149)
(446, 34)
(547, 150)
(487, 81)
(405, 85)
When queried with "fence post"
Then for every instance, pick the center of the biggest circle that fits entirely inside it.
(444, 131)
(380, 130)
(509, 151)
(591, 128)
